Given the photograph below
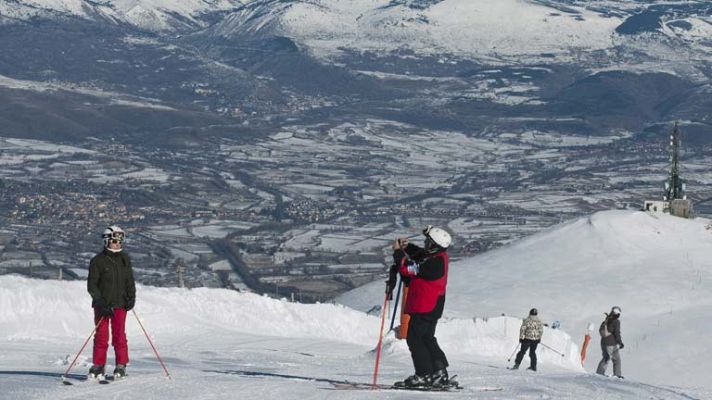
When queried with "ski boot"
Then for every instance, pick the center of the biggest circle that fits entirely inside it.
(96, 372)
(414, 381)
(440, 378)
(119, 371)
(515, 366)
(532, 368)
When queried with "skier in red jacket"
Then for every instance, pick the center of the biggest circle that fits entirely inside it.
(427, 269)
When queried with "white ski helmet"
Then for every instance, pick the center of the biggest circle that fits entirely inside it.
(113, 232)
(439, 236)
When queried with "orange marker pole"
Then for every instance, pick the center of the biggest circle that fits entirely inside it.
(586, 340)
(404, 318)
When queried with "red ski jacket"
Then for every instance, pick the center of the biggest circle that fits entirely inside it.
(426, 289)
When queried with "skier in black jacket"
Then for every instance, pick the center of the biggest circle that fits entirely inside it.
(611, 342)
(113, 292)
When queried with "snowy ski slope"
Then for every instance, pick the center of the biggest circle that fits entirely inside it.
(221, 344)
(657, 268)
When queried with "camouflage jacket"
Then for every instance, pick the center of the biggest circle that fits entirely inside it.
(532, 328)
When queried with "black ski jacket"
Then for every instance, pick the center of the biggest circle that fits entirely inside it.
(111, 279)
(614, 329)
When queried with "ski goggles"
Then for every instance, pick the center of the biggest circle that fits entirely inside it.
(429, 242)
(116, 237)
(427, 229)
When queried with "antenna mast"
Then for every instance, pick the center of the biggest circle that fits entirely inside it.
(674, 187)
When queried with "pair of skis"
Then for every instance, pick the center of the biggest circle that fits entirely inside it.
(348, 385)
(447, 388)
(368, 386)
(101, 379)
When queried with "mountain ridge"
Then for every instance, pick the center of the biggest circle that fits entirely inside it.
(508, 29)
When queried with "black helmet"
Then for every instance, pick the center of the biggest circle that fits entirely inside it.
(533, 311)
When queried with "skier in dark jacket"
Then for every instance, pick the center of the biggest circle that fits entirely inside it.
(113, 292)
(611, 342)
(427, 269)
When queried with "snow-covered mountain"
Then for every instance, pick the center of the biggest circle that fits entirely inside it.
(152, 15)
(655, 267)
(502, 30)
(499, 32)
(464, 27)
(217, 343)
(639, 61)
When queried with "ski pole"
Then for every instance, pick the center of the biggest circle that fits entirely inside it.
(151, 343)
(380, 341)
(64, 376)
(395, 306)
(515, 350)
(549, 347)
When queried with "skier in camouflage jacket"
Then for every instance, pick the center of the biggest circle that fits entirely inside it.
(529, 338)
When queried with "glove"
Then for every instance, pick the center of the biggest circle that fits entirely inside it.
(389, 290)
(130, 303)
(391, 282)
(105, 310)
(621, 346)
(413, 267)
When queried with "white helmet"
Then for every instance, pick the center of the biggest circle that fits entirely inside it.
(438, 235)
(113, 233)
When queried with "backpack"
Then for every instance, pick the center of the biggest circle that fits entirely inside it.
(603, 329)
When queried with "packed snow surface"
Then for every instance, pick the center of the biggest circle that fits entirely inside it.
(221, 344)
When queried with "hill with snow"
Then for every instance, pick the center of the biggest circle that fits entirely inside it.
(219, 343)
(582, 68)
(481, 27)
(152, 15)
(501, 30)
(655, 267)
